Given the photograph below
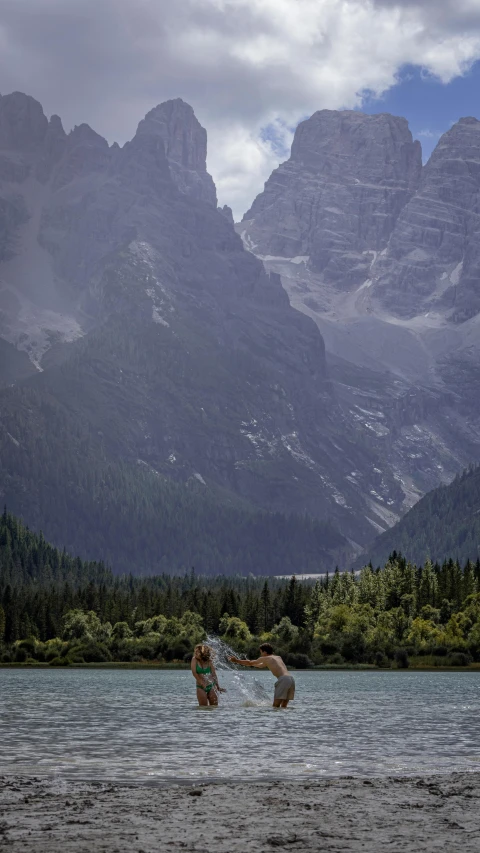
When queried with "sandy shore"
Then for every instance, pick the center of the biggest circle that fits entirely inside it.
(435, 813)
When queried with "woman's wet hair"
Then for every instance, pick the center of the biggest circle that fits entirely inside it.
(204, 652)
(266, 647)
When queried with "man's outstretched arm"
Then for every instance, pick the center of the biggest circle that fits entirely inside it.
(259, 663)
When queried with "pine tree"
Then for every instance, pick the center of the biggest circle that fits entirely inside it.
(265, 607)
(428, 586)
(314, 607)
(469, 585)
(290, 606)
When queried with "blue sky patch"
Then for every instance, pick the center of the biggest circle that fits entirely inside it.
(431, 107)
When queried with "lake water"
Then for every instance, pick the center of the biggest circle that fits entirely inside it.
(138, 725)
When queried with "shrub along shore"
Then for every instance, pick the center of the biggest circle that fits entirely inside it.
(415, 665)
(61, 611)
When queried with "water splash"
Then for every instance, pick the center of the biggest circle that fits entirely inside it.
(241, 687)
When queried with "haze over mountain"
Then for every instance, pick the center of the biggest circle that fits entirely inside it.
(142, 344)
(383, 255)
(151, 339)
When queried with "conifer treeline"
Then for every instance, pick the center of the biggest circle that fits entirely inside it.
(135, 519)
(39, 583)
(55, 608)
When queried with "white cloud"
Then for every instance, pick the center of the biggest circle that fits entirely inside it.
(429, 134)
(244, 65)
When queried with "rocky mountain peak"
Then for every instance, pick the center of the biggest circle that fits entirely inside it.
(137, 269)
(23, 124)
(55, 127)
(184, 137)
(468, 120)
(433, 258)
(84, 135)
(203, 367)
(336, 200)
(85, 152)
(227, 213)
(464, 135)
(351, 144)
(54, 144)
(185, 144)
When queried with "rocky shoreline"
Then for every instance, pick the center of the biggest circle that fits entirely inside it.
(408, 815)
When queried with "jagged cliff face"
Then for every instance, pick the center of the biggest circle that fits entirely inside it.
(338, 197)
(185, 145)
(433, 258)
(384, 256)
(128, 302)
(133, 305)
(355, 207)
(68, 203)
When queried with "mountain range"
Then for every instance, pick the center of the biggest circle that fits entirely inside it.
(383, 254)
(443, 525)
(166, 380)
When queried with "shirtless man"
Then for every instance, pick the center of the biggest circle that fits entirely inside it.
(285, 684)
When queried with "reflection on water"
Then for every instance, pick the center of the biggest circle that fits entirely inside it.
(139, 725)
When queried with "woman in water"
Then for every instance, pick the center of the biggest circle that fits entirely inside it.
(203, 671)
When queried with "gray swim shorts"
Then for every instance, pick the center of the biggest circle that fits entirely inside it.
(285, 687)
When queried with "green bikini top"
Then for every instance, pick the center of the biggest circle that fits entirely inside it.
(203, 671)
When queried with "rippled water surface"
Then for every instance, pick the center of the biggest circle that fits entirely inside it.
(139, 725)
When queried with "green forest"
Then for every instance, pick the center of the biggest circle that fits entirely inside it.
(57, 474)
(78, 466)
(444, 523)
(59, 610)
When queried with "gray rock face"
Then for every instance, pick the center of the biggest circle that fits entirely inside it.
(174, 344)
(337, 198)
(433, 256)
(185, 143)
(23, 125)
(54, 144)
(12, 214)
(82, 153)
(227, 212)
(384, 256)
(134, 295)
(141, 312)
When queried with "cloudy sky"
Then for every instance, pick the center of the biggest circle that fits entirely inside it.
(252, 69)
